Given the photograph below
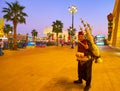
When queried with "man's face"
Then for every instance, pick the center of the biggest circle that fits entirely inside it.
(80, 37)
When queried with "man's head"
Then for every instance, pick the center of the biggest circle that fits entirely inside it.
(80, 35)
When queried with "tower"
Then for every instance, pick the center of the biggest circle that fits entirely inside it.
(115, 38)
(1, 27)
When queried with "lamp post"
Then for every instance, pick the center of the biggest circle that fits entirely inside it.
(72, 10)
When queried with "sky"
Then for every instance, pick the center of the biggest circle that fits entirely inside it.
(42, 14)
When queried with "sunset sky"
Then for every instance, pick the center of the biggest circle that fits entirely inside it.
(41, 14)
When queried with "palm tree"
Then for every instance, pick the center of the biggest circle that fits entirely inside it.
(34, 34)
(71, 33)
(7, 29)
(14, 13)
(49, 35)
(57, 28)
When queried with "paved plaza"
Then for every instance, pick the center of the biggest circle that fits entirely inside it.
(54, 69)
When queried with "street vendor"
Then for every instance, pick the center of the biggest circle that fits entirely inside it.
(84, 62)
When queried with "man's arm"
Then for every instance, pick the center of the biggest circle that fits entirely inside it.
(85, 45)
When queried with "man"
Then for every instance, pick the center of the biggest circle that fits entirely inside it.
(84, 62)
(1, 46)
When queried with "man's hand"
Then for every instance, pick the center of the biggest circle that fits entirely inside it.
(85, 46)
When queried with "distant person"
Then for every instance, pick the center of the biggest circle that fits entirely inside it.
(62, 43)
(1, 47)
(84, 62)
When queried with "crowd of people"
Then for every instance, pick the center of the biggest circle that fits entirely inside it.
(8, 44)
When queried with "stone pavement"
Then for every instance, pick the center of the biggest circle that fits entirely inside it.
(55, 69)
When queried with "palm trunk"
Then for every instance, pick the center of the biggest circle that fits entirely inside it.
(57, 38)
(34, 38)
(15, 36)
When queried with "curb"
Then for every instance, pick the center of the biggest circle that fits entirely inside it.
(117, 48)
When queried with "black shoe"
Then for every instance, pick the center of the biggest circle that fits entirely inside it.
(87, 88)
(78, 81)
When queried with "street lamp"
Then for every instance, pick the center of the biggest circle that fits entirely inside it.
(72, 10)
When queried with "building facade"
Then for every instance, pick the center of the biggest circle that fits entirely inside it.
(115, 37)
